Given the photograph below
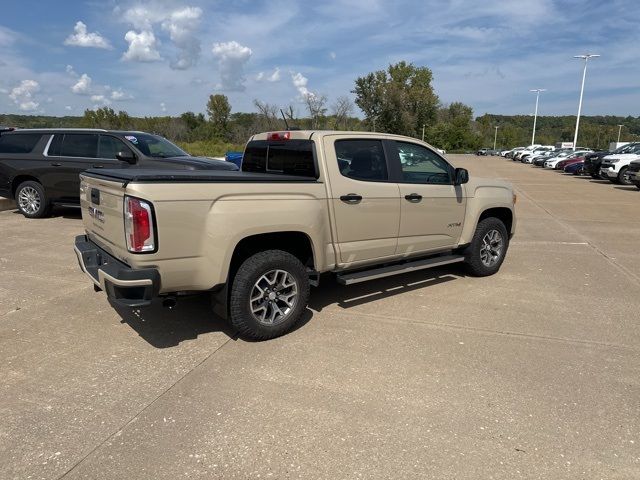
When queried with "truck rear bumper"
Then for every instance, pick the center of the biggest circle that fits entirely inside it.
(124, 285)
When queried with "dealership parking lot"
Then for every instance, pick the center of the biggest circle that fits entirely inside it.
(531, 373)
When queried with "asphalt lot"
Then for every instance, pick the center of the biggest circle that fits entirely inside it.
(531, 373)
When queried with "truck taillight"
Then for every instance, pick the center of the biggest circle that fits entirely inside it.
(138, 225)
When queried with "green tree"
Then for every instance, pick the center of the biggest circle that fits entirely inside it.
(219, 110)
(399, 100)
(454, 131)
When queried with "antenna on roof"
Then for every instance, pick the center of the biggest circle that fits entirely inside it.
(285, 119)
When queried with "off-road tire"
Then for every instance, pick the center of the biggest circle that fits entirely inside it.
(33, 189)
(251, 270)
(472, 253)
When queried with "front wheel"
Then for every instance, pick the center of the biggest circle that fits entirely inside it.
(487, 250)
(32, 200)
(622, 177)
(269, 293)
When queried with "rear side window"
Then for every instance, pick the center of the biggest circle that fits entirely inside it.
(362, 160)
(19, 142)
(79, 145)
(290, 157)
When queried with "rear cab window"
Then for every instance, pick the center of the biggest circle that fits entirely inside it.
(19, 142)
(287, 157)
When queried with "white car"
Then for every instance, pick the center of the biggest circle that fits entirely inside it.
(525, 157)
(552, 162)
(525, 150)
(614, 167)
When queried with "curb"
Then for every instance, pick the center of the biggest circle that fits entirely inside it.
(6, 204)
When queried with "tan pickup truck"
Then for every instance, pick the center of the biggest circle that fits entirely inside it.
(359, 205)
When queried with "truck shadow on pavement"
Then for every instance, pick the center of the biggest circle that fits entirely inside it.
(192, 316)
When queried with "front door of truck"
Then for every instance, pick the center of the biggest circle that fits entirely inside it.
(365, 203)
(433, 209)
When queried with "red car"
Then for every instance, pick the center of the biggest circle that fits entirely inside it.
(569, 161)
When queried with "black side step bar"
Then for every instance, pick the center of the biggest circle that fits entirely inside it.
(380, 272)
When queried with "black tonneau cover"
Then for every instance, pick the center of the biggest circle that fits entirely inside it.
(132, 175)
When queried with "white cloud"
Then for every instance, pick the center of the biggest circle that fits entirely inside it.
(332, 55)
(7, 37)
(68, 107)
(100, 99)
(274, 77)
(232, 58)
(181, 25)
(119, 95)
(163, 106)
(22, 95)
(82, 38)
(71, 71)
(143, 47)
(83, 85)
(300, 82)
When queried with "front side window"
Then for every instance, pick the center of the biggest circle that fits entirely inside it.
(110, 146)
(84, 145)
(362, 160)
(421, 165)
(19, 142)
(290, 157)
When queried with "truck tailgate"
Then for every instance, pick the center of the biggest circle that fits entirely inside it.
(102, 203)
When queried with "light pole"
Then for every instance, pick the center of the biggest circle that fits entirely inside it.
(586, 58)
(495, 137)
(423, 132)
(535, 115)
(619, 131)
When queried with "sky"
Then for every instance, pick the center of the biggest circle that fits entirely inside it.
(165, 57)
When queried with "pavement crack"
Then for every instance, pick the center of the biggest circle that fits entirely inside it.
(489, 331)
(142, 410)
(623, 269)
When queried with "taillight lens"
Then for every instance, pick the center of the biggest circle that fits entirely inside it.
(138, 225)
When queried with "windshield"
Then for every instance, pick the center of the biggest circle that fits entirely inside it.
(155, 145)
(629, 148)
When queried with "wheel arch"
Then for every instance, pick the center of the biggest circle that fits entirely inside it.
(18, 179)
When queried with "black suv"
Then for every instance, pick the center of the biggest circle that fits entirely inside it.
(40, 168)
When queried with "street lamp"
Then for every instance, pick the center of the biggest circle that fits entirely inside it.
(535, 115)
(495, 137)
(586, 58)
(619, 131)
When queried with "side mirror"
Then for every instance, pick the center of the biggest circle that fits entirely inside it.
(126, 156)
(461, 176)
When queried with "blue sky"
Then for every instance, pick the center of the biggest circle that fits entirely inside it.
(158, 57)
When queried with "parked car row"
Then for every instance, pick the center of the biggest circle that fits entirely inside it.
(620, 166)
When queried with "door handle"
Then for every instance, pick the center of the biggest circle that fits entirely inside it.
(56, 164)
(413, 197)
(351, 198)
(97, 166)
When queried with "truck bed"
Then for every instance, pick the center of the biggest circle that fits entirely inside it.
(133, 175)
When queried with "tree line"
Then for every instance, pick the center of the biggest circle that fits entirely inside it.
(398, 100)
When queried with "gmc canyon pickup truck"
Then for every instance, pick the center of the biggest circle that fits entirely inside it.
(304, 203)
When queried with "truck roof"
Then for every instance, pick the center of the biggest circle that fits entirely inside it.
(310, 134)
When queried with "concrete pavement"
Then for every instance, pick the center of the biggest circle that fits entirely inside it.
(531, 373)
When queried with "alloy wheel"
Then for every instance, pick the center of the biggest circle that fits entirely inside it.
(29, 200)
(273, 297)
(492, 248)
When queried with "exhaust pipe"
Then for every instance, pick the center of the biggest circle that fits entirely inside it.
(169, 302)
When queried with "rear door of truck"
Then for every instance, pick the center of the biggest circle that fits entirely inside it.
(365, 202)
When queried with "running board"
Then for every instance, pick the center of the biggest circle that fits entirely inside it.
(366, 275)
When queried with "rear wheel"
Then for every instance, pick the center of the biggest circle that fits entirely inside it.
(32, 200)
(269, 293)
(487, 250)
